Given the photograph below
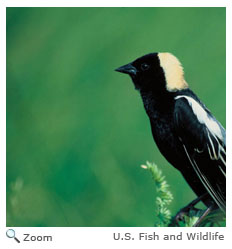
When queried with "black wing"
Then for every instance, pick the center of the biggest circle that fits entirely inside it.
(204, 142)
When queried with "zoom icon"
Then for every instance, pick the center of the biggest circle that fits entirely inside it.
(10, 233)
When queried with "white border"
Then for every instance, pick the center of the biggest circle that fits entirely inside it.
(228, 111)
(114, 3)
(102, 237)
(118, 3)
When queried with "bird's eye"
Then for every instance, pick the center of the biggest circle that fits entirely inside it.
(144, 66)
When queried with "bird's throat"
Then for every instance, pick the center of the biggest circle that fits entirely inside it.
(157, 105)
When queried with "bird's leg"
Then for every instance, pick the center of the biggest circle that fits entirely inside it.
(185, 210)
(207, 211)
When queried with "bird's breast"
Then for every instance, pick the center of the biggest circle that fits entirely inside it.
(166, 140)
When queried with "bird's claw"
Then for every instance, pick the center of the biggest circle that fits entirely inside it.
(184, 212)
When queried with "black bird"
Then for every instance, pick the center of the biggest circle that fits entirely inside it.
(185, 131)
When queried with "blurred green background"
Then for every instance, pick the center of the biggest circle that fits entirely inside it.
(77, 131)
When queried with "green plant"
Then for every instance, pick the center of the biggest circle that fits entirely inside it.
(164, 198)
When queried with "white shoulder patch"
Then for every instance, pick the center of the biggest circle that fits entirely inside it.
(173, 70)
(203, 117)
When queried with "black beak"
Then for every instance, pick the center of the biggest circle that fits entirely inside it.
(128, 69)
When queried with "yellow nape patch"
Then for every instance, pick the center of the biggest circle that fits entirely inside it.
(173, 70)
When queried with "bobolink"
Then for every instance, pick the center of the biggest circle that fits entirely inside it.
(185, 131)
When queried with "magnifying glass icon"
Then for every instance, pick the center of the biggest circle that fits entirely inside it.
(10, 233)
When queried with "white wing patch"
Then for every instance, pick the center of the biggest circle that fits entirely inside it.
(203, 117)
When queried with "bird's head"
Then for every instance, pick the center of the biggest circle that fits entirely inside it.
(156, 71)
